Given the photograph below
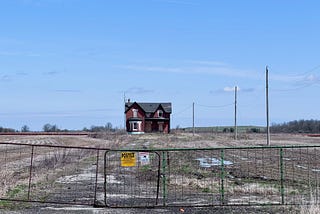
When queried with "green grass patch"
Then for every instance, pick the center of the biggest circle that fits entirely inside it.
(17, 191)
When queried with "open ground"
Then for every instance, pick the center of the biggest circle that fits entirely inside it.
(123, 141)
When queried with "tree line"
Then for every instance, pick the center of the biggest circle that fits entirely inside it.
(297, 126)
(54, 128)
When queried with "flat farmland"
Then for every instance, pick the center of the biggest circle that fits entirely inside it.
(175, 140)
(66, 170)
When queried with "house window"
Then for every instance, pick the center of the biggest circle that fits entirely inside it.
(160, 113)
(135, 112)
(135, 126)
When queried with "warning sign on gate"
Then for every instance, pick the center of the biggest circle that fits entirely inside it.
(128, 159)
(144, 158)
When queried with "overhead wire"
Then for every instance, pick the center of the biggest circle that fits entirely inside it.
(184, 110)
(218, 106)
(304, 85)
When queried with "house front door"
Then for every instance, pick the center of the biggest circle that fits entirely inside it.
(148, 127)
(160, 125)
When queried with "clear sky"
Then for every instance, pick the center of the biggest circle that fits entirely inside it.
(69, 62)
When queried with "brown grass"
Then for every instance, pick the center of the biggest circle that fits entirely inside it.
(312, 206)
(16, 167)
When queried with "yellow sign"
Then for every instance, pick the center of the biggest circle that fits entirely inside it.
(128, 159)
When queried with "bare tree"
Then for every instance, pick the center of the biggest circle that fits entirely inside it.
(50, 128)
(25, 128)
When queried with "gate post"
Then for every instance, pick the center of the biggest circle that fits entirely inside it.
(96, 182)
(164, 163)
(222, 177)
(105, 178)
(30, 172)
(281, 176)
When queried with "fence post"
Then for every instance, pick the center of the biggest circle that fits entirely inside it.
(96, 182)
(222, 177)
(105, 177)
(281, 176)
(164, 177)
(30, 172)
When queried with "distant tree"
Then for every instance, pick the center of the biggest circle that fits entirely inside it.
(25, 128)
(96, 128)
(6, 129)
(46, 127)
(108, 126)
(254, 130)
(50, 128)
(297, 126)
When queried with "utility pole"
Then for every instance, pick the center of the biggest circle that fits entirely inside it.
(124, 112)
(193, 131)
(235, 114)
(267, 105)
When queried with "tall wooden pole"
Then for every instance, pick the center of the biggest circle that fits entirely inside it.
(193, 129)
(124, 112)
(267, 105)
(235, 113)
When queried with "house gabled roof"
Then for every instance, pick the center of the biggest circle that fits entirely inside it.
(151, 107)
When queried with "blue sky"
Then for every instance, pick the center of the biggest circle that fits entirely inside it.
(69, 62)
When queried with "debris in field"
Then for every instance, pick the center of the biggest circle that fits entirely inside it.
(209, 162)
(302, 167)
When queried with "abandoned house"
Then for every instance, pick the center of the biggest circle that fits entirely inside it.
(147, 117)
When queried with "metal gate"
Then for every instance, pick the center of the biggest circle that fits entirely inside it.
(131, 178)
(242, 176)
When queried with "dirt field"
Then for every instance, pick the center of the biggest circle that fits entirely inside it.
(175, 140)
(120, 141)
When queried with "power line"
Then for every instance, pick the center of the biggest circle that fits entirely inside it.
(309, 71)
(303, 73)
(293, 89)
(219, 106)
(184, 110)
(302, 78)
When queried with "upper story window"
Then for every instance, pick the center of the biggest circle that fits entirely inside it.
(135, 112)
(160, 113)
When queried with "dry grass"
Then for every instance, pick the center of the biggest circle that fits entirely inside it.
(211, 184)
(4, 181)
(47, 162)
(312, 207)
(254, 189)
(174, 140)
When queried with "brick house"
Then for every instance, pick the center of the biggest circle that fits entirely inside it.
(147, 117)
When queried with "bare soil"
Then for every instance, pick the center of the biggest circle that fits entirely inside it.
(120, 141)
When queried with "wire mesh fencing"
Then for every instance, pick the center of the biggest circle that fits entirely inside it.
(50, 174)
(247, 176)
(132, 179)
(242, 176)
